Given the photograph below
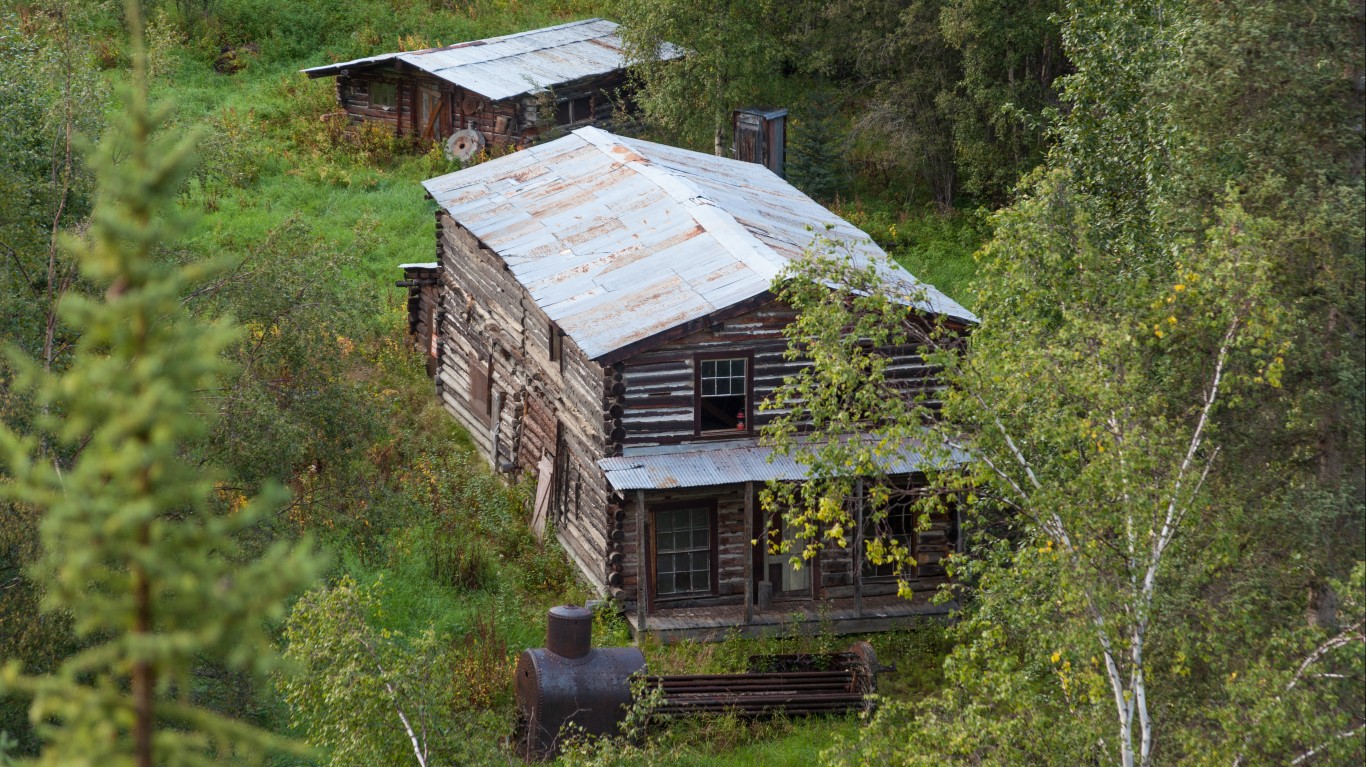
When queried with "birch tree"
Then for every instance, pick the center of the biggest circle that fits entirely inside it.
(1153, 405)
(732, 58)
(370, 694)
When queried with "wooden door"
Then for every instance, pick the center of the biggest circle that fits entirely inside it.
(562, 499)
(748, 139)
(429, 122)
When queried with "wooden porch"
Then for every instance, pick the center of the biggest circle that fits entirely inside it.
(835, 616)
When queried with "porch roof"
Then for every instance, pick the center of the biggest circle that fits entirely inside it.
(742, 460)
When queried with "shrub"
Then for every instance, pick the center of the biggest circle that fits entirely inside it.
(461, 563)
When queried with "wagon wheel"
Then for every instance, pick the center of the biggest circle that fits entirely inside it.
(464, 144)
(866, 668)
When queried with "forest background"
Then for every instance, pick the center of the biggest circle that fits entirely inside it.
(1135, 179)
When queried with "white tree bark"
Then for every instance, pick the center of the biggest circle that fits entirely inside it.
(1131, 695)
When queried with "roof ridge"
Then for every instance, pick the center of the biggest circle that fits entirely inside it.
(509, 36)
(379, 57)
(729, 233)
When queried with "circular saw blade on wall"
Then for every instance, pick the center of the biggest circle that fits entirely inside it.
(464, 144)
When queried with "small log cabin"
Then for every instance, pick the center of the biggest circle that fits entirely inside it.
(495, 92)
(599, 314)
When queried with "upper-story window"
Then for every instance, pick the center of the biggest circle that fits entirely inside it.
(383, 95)
(723, 393)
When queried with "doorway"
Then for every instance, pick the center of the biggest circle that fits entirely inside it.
(429, 123)
(789, 582)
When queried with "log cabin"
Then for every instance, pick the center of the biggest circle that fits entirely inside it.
(502, 91)
(600, 315)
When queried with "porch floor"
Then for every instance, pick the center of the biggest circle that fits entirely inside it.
(835, 616)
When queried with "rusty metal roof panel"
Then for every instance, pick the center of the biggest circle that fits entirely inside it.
(619, 239)
(502, 67)
(742, 460)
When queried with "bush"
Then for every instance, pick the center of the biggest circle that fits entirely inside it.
(461, 564)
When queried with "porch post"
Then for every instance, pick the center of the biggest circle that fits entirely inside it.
(749, 553)
(857, 560)
(640, 567)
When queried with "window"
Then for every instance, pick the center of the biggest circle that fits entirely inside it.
(572, 111)
(557, 345)
(481, 375)
(722, 395)
(683, 550)
(898, 525)
(383, 95)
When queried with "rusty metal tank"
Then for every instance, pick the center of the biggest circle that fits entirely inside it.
(569, 679)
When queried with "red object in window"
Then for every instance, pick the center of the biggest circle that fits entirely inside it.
(740, 421)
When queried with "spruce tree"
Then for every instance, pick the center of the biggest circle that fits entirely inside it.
(149, 573)
(815, 153)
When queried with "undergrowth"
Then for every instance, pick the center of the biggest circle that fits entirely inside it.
(404, 504)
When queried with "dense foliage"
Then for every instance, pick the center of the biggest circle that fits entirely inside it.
(1166, 389)
(944, 95)
(1163, 402)
(132, 552)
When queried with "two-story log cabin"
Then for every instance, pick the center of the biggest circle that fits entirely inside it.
(500, 91)
(600, 315)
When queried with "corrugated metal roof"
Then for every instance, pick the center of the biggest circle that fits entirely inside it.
(502, 67)
(619, 239)
(732, 462)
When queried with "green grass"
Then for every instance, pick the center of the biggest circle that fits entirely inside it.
(267, 160)
(937, 247)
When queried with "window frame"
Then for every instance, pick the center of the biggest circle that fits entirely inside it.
(481, 383)
(652, 551)
(556, 350)
(370, 94)
(571, 117)
(868, 570)
(748, 356)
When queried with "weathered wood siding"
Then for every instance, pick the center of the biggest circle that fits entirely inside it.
(659, 382)
(733, 534)
(660, 402)
(512, 121)
(932, 545)
(424, 298)
(539, 405)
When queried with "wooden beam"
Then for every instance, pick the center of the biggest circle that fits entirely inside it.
(749, 554)
(857, 559)
(640, 567)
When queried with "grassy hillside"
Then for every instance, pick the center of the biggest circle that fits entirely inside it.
(381, 475)
(269, 163)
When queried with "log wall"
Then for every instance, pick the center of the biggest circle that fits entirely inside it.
(660, 403)
(660, 381)
(486, 322)
(734, 533)
(510, 122)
